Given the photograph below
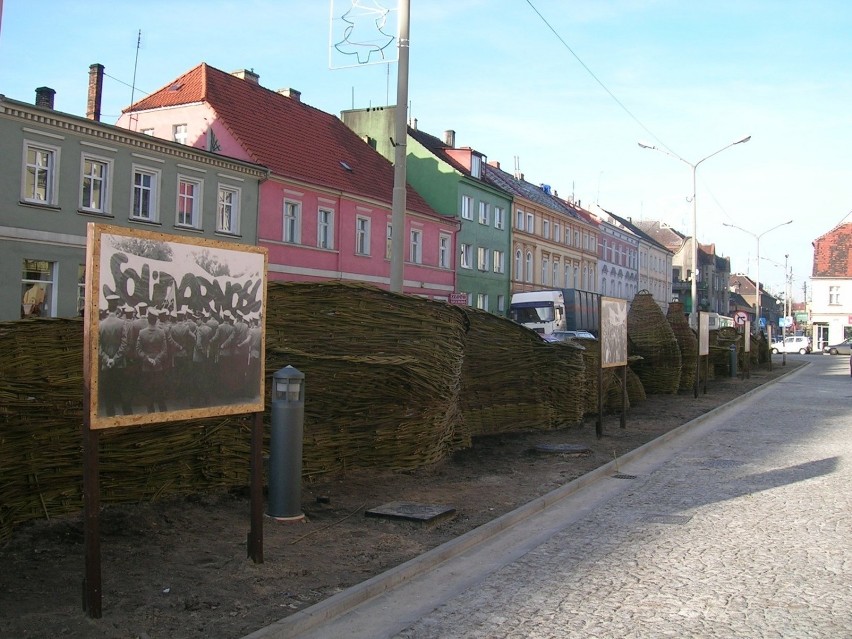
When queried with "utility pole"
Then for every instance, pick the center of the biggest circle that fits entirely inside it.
(400, 153)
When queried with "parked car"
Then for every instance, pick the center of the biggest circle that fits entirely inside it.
(793, 344)
(843, 348)
(562, 336)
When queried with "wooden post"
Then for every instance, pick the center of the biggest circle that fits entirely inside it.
(254, 543)
(92, 585)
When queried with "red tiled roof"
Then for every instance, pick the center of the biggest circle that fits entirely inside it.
(290, 138)
(833, 253)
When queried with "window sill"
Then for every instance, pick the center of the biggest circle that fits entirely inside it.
(189, 229)
(40, 205)
(99, 214)
(142, 220)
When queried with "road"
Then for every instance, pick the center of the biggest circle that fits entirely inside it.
(738, 527)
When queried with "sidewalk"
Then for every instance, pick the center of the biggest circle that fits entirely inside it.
(677, 538)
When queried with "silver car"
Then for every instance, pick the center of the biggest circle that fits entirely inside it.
(843, 348)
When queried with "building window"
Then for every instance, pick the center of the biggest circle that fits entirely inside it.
(530, 223)
(482, 258)
(416, 248)
(528, 268)
(41, 168)
(499, 218)
(179, 134)
(577, 239)
(545, 271)
(475, 166)
(483, 213)
(467, 207)
(189, 202)
(466, 256)
(325, 228)
(94, 189)
(388, 241)
(228, 210)
(557, 232)
(499, 261)
(545, 229)
(519, 220)
(37, 288)
(519, 274)
(444, 251)
(482, 301)
(555, 273)
(501, 303)
(362, 235)
(146, 196)
(834, 295)
(292, 222)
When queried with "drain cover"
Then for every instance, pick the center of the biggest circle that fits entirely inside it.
(563, 449)
(623, 476)
(721, 463)
(410, 511)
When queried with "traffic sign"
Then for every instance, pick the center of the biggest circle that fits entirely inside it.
(740, 318)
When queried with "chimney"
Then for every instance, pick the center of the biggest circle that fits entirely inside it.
(247, 75)
(293, 94)
(44, 97)
(96, 84)
(450, 138)
(414, 126)
(495, 164)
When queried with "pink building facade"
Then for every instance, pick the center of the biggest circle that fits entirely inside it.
(325, 211)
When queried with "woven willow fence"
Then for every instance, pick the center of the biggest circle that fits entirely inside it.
(687, 342)
(651, 337)
(391, 381)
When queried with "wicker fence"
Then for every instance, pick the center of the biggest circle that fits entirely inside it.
(391, 381)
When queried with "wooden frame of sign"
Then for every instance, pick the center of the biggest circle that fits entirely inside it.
(612, 334)
(140, 284)
(747, 350)
(703, 351)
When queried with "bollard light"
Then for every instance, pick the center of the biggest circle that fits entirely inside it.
(285, 445)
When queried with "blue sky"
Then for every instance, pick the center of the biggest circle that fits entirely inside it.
(569, 109)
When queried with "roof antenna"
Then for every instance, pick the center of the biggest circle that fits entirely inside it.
(135, 118)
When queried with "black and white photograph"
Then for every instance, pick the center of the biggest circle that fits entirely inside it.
(175, 325)
(613, 332)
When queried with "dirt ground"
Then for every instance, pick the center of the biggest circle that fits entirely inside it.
(178, 568)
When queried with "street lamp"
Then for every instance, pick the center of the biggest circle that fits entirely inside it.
(692, 313)
(757, 284)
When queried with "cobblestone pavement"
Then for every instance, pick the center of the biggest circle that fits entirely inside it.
(739, 528)
(745, 533)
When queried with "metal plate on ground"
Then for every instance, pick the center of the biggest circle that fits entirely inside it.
(411, 511)
(563, 449)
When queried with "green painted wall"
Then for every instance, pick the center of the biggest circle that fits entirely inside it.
(443, 187)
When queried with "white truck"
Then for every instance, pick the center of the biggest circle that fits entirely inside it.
(565, 309)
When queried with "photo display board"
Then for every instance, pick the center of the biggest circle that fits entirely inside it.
(613, 332)
(174, 326)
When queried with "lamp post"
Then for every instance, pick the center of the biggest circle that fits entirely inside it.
(757, 284)
(694, 310)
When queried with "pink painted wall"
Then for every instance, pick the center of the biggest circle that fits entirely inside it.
(305, 261)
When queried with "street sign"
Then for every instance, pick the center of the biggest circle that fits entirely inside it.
(762, 322)
(459, 299)
(740, 318)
